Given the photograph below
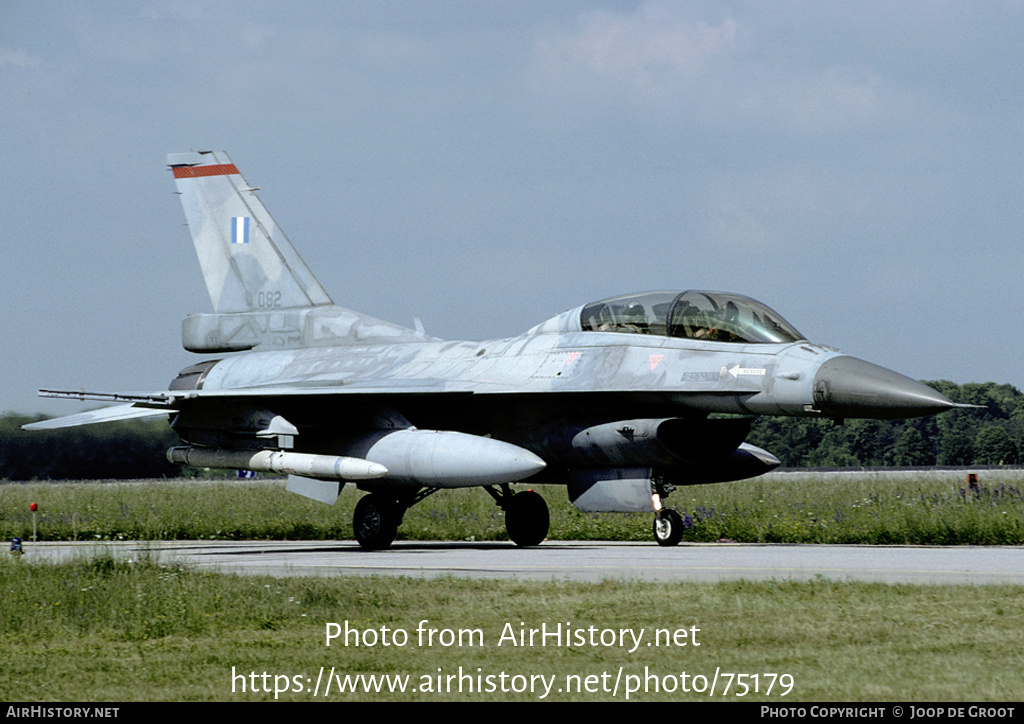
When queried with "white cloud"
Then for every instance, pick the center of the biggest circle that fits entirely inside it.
(16, 58)
(737, 71)
(831, 99)
(789, 209)
(646, 55)
(392, 49)
(644, 51)
(255, 35)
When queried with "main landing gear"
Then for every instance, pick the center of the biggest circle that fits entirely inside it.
(526, 515)
(378, 515)
(376, 520)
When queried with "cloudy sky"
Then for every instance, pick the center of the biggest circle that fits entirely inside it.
(488, 164)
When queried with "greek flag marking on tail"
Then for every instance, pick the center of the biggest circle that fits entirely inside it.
(240, 229)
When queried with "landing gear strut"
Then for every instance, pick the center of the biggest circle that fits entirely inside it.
(526, 515)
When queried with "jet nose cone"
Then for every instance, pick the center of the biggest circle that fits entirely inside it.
(850, 387)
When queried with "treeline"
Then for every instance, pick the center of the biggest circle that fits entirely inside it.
(993, 435)
(110, 450)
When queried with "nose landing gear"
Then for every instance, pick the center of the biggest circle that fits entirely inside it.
(668, 524)
(668, 527)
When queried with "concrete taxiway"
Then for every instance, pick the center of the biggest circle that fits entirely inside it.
(571, 560)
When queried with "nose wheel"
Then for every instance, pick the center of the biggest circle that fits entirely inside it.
(668, 527)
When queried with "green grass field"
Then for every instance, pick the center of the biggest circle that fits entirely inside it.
(103, 630)
(920, 508)
(109, 631)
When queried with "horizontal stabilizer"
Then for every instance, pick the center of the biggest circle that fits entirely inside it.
(104, 414)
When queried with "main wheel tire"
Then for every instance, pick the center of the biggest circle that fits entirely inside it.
(527, 519)
(668, 527)
(375, 522)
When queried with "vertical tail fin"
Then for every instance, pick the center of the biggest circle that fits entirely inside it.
(263, 294)
(247, 261)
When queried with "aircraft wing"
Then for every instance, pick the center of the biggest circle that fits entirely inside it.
(104, 414)
(139, 405)
(152, 403)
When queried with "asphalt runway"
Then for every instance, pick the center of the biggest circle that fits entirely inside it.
(576, 560)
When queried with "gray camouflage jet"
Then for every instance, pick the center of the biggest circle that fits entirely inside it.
(613, 399)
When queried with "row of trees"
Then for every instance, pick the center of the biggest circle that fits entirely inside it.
(124, 450)
(993, 435)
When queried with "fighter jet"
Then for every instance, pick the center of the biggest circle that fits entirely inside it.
(622, 400)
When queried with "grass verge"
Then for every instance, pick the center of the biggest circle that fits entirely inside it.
(925, 509)
(102, 630)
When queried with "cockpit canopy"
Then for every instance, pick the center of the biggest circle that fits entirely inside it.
(711, 316)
